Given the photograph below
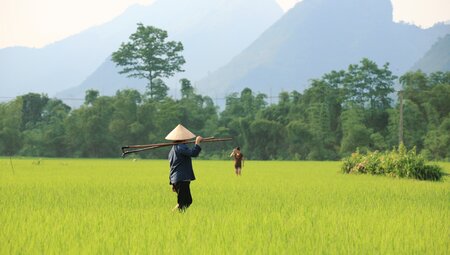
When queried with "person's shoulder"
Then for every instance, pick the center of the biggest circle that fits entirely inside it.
(180, 146)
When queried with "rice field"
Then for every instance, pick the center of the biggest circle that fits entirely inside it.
(123, 206)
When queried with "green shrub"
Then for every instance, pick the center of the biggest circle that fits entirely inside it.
(396, 163)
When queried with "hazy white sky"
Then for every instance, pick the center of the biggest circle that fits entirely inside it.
(36, 23)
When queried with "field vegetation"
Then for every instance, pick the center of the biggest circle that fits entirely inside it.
(59, 206)
(397, 163)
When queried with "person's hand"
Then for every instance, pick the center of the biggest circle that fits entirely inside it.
(198, 139)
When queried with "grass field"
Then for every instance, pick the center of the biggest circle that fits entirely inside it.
(82, 206)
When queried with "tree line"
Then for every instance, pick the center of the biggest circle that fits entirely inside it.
(338, 113)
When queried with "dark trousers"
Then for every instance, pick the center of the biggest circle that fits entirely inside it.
(184, 195)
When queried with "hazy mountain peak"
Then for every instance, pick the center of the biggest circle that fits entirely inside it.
(318, 36)
(437, 57)
(379, 10)
(212, 32)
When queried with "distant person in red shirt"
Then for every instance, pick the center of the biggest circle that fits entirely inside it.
(238, 160)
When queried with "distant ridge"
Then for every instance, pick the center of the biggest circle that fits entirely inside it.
(317, 36)
(61, 64)
(437, 58)
(212, 32)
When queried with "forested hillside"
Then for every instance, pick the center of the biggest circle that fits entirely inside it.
(437, 57)
(339, 112)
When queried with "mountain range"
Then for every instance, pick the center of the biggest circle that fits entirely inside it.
(437, 58)
(318, 36)
(211, 31)
(229, 44)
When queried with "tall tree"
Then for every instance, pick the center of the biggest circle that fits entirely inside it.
(368, 86)
(196, 109)
(278, 112)
(159, 90)
(124, 127)
(32, 107)
(427, 112)
(10, 127)
(299, 138)
(47, 137)
(239, 113)
(90, 96)
(413, 84)
(266, 139)
(148, 55)
(355, 133)
(187, 91)
(437, 141)
(321, 112)
(246, 105)
(87, 133)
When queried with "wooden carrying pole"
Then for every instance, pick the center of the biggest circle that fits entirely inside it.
(138, 148)
(161, 144)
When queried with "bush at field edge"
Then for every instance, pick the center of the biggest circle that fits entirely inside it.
(397, 163)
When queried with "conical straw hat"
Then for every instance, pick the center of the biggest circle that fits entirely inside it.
(180, 133)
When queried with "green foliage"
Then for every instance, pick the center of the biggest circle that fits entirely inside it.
(48, 137)
(299, 138)
(322, 108)
(10, 125)
(187, 91)
(158, 90)
(149, 56)
(90, 96)
(437, 141)
(369, 87)
(262, 131)
(339, 112)
(355, 133)
(426, 112)
(397, 163)
(32, 107)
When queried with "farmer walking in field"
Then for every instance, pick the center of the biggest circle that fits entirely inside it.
(238, 160)
(181, 171)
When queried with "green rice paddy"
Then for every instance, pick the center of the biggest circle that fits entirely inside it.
(83, 206)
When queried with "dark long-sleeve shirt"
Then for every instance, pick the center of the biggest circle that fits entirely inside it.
(181, 162)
